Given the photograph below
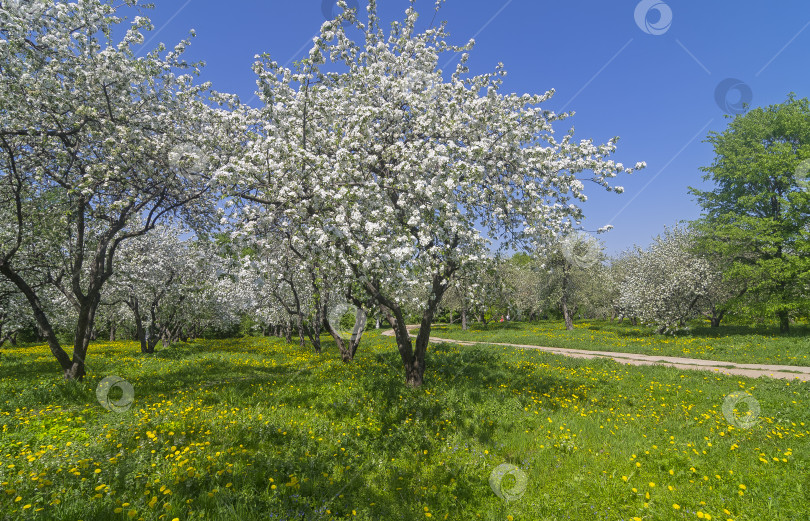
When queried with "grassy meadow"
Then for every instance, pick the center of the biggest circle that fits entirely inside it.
(254, 428)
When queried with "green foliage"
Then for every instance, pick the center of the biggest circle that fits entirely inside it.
(756, 217)
(247, 325)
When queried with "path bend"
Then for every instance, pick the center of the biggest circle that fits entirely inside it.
(785, 372)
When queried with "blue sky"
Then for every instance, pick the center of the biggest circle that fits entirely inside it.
(650, 80)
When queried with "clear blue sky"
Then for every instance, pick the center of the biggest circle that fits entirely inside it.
(655, 91)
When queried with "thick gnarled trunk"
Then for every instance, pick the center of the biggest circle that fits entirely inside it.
(413, 353)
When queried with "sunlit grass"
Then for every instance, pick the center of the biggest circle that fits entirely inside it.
(740, 344)
(256, 429)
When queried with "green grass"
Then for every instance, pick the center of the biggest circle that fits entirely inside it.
(257, 429)
(741, 344)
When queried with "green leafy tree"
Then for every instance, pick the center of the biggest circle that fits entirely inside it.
(756, 216)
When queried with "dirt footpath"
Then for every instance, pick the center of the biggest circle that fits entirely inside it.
(786, 372)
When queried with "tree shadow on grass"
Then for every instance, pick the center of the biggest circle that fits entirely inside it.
(467, 382)
(700, 330)
(17, 367)
(797, 331)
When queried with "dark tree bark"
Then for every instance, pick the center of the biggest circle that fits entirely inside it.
(413, 353)
(716, 316)
(784, 322)
(288, 332)
(43, 324)
(299, 325)
(314, 332)
(140, 333)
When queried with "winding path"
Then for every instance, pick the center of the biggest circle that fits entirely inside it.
(786, 372)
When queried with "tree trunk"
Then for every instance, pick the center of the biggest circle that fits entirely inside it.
(569, 322)
(567, 313)
(299, 324)
(288, 332)
(320, 301)
(153, 334)
(464, 319)
(348, 346)
(413, 360)
(345, 352)
(314, 334)
(451, 317)
(413, 355)
(784, 322)
(716, 317)
(140, 331)
(357, 331)
(81, 341)
(112, 331)
(43, 325)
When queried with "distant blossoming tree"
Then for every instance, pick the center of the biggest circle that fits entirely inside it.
(669, 282)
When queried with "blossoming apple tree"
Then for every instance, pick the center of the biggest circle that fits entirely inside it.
(669, 282)
(401, 170)
(153, 275)
(91, 137)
